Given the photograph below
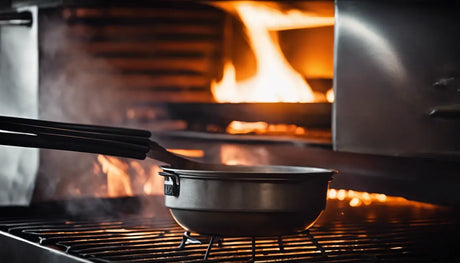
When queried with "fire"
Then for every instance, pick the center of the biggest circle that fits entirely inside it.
(275, 79)
(128, 178)
(118, 181)
(154, 183)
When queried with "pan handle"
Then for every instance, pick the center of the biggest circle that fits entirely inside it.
(446, 111)
(118, 142)
(171, 184)
(73, 143)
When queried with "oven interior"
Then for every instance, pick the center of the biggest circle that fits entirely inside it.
(154, 65)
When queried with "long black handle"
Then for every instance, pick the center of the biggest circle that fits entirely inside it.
(446, 111)
(78, 144)
(119, 142)
(77, 127)
(122, 142)
(35, 129)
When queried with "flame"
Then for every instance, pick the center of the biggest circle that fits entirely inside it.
(154, 184)
(118, 181)
(128, 178)
(275, 80)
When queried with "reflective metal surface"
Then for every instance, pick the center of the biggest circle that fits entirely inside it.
(394, 62)
(252, 200)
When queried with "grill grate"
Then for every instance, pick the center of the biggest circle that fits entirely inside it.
(379, 232)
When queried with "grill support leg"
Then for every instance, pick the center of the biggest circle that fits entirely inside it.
(209, 248)
(280, 243)
(253, 249)
(315, 242)
(186, 237)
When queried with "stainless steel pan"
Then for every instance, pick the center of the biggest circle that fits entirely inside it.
(246, 200)
(210, 199)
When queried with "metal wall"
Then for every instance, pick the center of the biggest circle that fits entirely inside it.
(396, 62)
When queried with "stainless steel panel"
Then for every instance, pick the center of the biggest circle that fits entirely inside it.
(394, 62)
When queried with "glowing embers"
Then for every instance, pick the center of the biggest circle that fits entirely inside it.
(275, 80)
(260, 127)
(356, 198)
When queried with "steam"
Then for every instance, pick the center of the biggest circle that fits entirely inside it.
(71, 90)
(76, 86)
(70, 87)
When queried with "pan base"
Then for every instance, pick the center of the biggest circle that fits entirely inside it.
(241, 224)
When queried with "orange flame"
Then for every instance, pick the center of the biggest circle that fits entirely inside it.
(128, 178)
(275, 80)
(118, 181)
(154, 184)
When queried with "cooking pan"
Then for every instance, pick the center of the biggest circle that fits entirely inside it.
(246, 200)
(211, 199)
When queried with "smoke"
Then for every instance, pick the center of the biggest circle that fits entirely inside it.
(80, 86)
(75, 86)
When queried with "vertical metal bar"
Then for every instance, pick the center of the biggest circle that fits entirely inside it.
(209, 248)
(315, 242)
(253, 249)
(184, 239)
(219, 242)
(280, 243)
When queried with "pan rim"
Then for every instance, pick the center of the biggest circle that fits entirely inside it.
(271, 172)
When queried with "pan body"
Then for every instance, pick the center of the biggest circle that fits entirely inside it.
(238, 224)
(247, 201)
